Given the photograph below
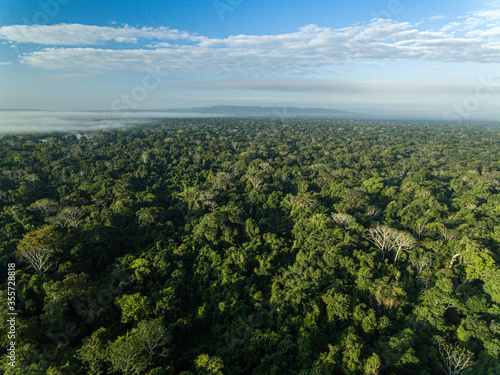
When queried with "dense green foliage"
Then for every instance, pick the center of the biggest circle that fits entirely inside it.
(254, 247)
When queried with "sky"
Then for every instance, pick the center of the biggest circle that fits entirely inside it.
(431, 58)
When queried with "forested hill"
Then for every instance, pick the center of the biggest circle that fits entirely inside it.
(212, 246)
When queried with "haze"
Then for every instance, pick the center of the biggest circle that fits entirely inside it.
(396, 57)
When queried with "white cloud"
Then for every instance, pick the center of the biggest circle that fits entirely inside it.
(493, 33)
(5, 63)
(435, 18)
(312, 49)
(474, 20)
(79, 35)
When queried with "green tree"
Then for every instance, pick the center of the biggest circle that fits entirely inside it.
(92, 352)
(133, 306)
(207, 365)
(126, 356)
(38, 247)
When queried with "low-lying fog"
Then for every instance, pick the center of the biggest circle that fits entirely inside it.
(16, 122)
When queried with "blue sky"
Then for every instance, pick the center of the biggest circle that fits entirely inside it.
(431, 58)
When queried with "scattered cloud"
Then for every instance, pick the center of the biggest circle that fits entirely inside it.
(474, 21)
(311, 50)
(5, 63)
(435, 18)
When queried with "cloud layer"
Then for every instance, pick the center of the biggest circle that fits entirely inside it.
(312, 49)
(332, 86)
(78, 35)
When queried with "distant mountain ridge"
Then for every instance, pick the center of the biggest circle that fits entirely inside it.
(258, 111)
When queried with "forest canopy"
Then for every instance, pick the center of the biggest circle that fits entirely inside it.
(254, 246)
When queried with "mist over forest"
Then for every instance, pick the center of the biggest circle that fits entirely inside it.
(35, 121)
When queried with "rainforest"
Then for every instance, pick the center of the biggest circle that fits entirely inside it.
(253, 246)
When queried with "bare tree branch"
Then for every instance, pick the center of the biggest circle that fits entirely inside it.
(455, 360)
(380, 236)
(343, 219)
(401, 241)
